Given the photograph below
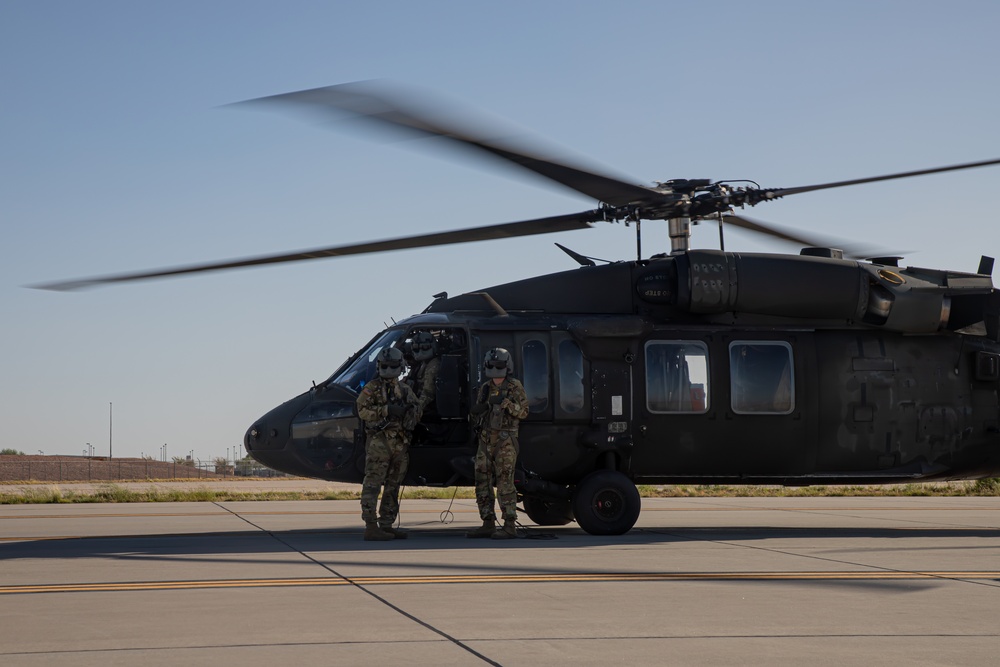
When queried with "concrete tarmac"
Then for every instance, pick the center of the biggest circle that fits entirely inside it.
(699, 581)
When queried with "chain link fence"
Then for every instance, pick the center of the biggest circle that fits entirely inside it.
(83, 469)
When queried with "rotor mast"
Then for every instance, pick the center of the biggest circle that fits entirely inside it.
(680, 235)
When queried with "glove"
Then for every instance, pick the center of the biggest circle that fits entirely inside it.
(478, 409)
(496, 399)
(510, 406)
(396, 411)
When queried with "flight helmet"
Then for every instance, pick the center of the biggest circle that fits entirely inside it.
(497, 363)
(424, 346)
(390, 362)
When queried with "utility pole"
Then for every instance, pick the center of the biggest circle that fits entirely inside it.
(111, 430)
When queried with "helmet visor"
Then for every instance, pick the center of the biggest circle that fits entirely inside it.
(390, 369)
(496, 368)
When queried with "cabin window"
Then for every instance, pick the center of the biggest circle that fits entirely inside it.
(571, 396)
(676, 376)
(762, 377)
(535, 358)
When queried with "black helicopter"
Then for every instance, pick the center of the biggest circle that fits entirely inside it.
(696, 366)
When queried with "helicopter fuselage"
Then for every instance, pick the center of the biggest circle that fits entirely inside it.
(720, 368)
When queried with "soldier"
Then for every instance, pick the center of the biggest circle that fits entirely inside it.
(500, 406)
(389, 411)
(423, 375)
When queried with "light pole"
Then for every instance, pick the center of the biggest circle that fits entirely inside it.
(111, 429)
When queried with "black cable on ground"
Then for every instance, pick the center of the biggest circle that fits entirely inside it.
(445, 517)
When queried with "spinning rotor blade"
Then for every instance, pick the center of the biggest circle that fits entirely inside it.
(782, 192)
(767, 230)
(375, 103)
(852, 250)
(388, 109)
(559, 223)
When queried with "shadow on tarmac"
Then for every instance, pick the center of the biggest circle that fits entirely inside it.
(318, 542)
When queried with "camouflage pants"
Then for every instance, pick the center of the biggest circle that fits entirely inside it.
(495, 461)
(386, 459)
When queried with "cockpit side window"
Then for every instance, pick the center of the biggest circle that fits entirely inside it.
(364, 368)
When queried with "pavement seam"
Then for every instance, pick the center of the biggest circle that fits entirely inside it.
(831, 560)
(397, 609)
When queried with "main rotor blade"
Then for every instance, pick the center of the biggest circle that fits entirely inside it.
(850, 249)
(559, 223)
(782, 192)
(374, 103)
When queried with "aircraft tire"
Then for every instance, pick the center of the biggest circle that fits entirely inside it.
(606, 502)
(548, 512)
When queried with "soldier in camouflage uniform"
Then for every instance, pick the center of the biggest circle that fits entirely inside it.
(388, 408)
(424, 373)
(500, 406)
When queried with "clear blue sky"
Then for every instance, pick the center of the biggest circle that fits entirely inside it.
(115, 156)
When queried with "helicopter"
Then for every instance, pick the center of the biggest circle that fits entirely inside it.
(693, 366)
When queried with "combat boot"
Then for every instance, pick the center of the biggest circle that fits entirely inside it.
(488, 528)
(507, 532)
(375, 534)
(397, 533)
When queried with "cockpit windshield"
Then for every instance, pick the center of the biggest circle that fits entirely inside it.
(363, 368)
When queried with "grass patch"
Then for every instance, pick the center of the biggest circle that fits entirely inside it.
(425, 492)
(112, 493)
(982, 487)
(37, 495)
(986, 487)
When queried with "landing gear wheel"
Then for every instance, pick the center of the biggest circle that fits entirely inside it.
(606, 502)
(548, 512)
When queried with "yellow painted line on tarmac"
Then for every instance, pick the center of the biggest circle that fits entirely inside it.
(111, 515)
(169, 585)
(498, 579)
(41, 539)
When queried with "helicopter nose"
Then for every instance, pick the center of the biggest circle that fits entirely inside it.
(256, 437)
(272, 431)
(262, 436)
